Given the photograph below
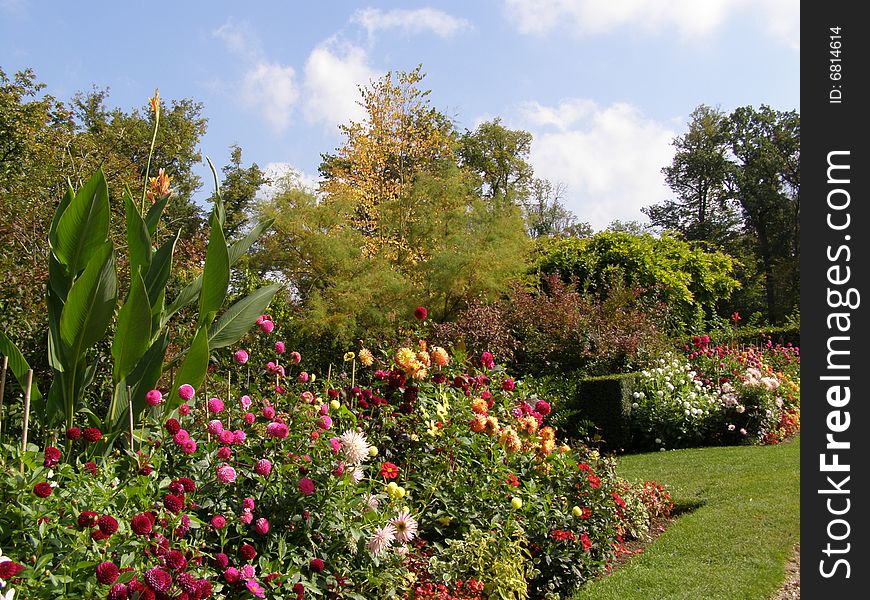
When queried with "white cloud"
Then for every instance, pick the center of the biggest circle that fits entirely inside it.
(411, 21)
(333, 73)
(270, 88)
(283, 175)
(610, 157)
(691, 18)
(266, 86)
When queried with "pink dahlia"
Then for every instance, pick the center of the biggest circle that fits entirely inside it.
(153, 398)
(240, 356)
(279, 347)
(225, 473)
(277, 430)
(261, 526)
(215, 405)
(263, 467)
(245, 402)
(186, 392)
(218, 522)
(382, 539)
(306, 486)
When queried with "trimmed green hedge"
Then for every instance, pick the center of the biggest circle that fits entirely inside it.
(605, 401)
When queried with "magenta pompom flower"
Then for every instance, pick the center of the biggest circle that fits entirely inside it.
(184, 410)
(487, 360)
(261, 526)
(186, 392)
(421, 313)
(267, 327)
(295, 358)
(158, 580)
(240, 356)
(543, 407)
(263, 467)
(218, 522)
(324, 422)
(224, 453)
(225, 473)
(221, 560)
(153, 398)
(508, 384)
(215, 405)
(73, 433)
(215, 427)
(306, 486)
(279, 347)
(107, 572)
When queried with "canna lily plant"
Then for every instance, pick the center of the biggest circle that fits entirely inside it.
(82, 298)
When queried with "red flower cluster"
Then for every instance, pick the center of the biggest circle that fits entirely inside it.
(562, 535)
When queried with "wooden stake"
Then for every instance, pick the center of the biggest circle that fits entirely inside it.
(3, 390)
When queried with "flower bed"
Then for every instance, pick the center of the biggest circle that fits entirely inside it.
(410, 475)
(718, 394)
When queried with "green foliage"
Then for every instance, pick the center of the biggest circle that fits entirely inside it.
(401, 223)
(687, 278)
(737, 183)
(498, 557)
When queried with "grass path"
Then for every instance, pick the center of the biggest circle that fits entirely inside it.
(736, 541)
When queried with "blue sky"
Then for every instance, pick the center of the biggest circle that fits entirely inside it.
(603, 85)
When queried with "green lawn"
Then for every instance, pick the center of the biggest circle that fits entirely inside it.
(734, 544)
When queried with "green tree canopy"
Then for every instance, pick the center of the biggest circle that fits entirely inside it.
(687, 278)
(398, 222)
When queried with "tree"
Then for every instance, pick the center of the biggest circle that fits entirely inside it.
(766, 182)
(703, 208)
(398, 222)
(682, 275)
(238, 189)
(499, 158)
(401, 135)
(545, 214)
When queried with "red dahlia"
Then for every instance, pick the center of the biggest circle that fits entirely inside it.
(317, 565)
(141, 524)
(118, 592)
(389, 470)
(172, 426)
(9, 569)
(247, 552)
(107, 572)
(221, 561)
(87, 519)
(73, 433)
(186, 582)
(175, 560)
(108, 524)
(92, 435)
(52, 457)
(173, 503)
(421, 313)
(42, 489)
